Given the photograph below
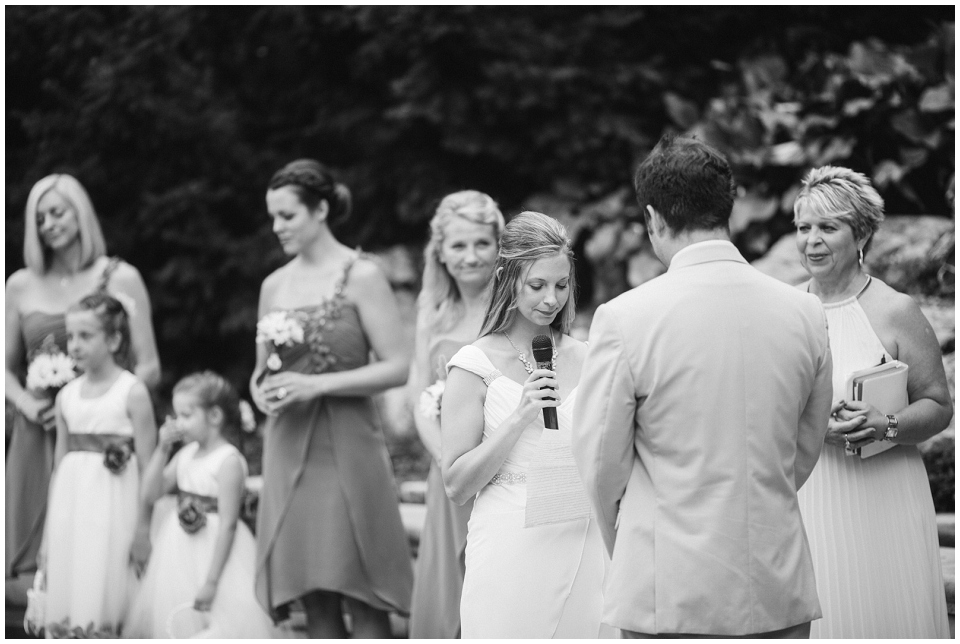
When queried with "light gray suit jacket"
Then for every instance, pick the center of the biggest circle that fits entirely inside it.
(702, 408)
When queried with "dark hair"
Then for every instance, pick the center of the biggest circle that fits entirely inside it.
(313, 183)
(114, 319)
(688, 182)
(213, 390)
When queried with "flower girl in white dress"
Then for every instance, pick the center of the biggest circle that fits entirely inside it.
(204, 556)
(97, 533)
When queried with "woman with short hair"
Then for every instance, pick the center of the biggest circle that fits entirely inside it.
(870, 521)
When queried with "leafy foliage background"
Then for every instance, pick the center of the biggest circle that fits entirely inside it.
(174, 118)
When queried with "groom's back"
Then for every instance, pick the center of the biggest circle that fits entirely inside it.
(723, 360)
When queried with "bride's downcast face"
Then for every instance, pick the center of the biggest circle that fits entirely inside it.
(293, 223)
(469, 251)
(545, 289)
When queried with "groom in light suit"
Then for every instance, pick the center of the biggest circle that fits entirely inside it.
(703, 403)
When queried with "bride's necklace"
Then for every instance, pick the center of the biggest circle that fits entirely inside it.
(523, 357)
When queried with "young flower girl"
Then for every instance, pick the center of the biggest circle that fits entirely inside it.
(203, 556)
(97, 532)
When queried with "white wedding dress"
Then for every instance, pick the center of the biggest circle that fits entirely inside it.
(538, 582)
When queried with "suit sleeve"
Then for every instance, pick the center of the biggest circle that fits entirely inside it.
(603, 429)
(816, 413)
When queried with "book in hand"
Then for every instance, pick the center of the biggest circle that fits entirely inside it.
(884, 387)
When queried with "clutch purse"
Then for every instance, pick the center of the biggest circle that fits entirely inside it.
(554, 491)
(884, 387)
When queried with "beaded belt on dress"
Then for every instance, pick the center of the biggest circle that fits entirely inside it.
(96, 442)
(508, 478)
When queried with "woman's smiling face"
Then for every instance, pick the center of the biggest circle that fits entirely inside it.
(468, 251)
(826, 243)
(57, 221)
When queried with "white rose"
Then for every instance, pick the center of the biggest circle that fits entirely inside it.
(274, 363)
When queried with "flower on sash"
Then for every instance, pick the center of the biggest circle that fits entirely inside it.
(278, 328)
(191, 515)
(116, 455)
(430, 399)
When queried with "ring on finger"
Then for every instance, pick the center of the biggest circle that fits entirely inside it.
(281, 393)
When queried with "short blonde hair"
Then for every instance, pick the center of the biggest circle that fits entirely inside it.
(845, 194)
(92, 244)
(440, 300)
(528, 237)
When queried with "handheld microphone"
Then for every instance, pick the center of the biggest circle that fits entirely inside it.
(543, 356)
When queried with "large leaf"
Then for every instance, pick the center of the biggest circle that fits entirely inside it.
(937, 99)
(682, 112)
(751, 207)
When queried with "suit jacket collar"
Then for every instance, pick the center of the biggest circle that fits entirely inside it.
(715, 250)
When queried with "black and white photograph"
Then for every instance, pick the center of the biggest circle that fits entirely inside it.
(480, 322)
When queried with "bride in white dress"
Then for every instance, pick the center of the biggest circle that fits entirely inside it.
(529, 582)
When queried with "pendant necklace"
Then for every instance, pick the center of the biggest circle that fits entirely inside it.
(522, 356)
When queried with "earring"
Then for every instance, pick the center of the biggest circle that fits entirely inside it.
(861, 256)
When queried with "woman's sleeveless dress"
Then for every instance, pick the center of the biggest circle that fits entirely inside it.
(438, 579)
(92, 519)
(180, 562)
(870, 522)
(329, 517)
(539, 582)
(29, 459)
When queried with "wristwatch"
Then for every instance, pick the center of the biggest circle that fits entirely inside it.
(892, 428)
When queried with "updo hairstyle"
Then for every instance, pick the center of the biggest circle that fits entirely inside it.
(313, 183)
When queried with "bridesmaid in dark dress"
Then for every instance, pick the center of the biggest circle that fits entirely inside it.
(328, 527)
(458, 265)
(65, 256)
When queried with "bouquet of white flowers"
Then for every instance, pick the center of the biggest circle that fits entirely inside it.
(278, 329)
(49, 369)
(48, 372)
(430, 399)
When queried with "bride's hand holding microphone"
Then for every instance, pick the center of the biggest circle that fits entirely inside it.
(539, 392)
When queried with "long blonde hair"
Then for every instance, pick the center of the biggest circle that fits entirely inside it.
(528, 237)
(92, 244)
(440, 302)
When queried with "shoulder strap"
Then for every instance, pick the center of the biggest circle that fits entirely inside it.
(474, 360)
(342, 282)
(107, 273)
